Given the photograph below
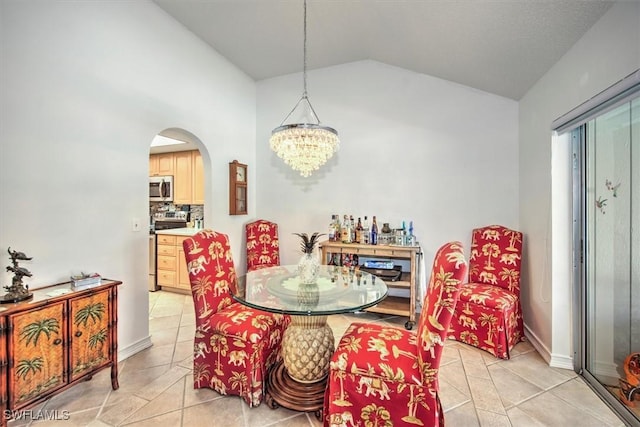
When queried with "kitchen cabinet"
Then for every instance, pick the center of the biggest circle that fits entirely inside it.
(183, 178)
(161, 164)
(53, 341)
(407, 256)
(198, 179)
(183, 271)
(172, 273)
(186, 167)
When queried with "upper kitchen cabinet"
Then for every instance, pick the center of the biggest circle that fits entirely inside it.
(198, 179)
(186, 167)
(183, 178)
(161, 164)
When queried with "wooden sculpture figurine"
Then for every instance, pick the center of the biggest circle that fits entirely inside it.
(17, 291)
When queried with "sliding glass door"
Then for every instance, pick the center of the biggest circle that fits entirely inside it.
(609, 264)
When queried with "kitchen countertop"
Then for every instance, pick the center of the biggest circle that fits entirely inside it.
(187, 231)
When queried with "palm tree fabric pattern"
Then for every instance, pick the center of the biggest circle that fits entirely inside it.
(387, 376)
(489, 315)
(263, 245)
(234, 345)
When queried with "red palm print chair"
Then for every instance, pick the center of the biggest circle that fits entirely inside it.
(488, 314)
(263, 246)
(234, 345)
(386, 376)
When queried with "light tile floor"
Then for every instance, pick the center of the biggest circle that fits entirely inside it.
(156, 387)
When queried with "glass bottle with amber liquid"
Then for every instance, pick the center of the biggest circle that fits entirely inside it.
(358, 231)
(345, 233)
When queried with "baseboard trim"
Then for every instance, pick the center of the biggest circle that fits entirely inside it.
(136, 347)
(553, 360)
(537, 344)
(561, 361)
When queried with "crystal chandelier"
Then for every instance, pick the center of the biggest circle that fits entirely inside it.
(308, 145)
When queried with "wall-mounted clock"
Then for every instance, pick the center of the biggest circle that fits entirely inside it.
(237, 188)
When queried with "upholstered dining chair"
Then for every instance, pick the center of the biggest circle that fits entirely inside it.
(488, 314)
(384, 375)
(263, 245)
(234, 345)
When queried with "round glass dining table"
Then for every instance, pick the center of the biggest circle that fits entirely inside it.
(298, 381)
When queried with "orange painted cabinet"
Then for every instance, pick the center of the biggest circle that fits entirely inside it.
(90, 339)
(59, 337)
(37, 342)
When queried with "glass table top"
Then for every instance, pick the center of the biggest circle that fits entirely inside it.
(337, 290)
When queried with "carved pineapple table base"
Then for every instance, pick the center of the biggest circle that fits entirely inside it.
(299, 381)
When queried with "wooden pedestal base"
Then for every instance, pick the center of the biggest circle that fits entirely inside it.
(282, 390)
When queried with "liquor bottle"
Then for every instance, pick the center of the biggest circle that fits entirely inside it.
(374, 231)
(411, 239)
(345, 233)
(332, 229)
(358, 231)
(365, 231)
(353, 230)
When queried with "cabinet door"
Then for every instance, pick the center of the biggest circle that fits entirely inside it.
(198, 179)
(182, 189)
(166, 164)
(153, 165)
(183, 272)
(37, 352)
(90, 334)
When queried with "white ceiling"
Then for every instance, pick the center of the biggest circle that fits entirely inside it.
(498, 46)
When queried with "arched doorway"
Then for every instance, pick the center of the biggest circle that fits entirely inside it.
(177, 162)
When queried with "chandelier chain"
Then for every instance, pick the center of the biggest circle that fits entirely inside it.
(304, 52)
(308, 145)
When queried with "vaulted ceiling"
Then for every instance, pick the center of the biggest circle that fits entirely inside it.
(498, 46)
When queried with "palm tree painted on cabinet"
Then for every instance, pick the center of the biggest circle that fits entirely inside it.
(90, 333)
(39, 339)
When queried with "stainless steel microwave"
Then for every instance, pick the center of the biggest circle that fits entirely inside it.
(161, 188)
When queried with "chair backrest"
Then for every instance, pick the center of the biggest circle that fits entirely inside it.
(448, 272)
(211, 272)
(496, 255)
(263, 246)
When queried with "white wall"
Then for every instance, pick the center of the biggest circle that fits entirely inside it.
(608, 52)
(85, 87)
(413, 147)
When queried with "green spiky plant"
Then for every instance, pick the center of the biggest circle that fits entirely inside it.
(308, 244)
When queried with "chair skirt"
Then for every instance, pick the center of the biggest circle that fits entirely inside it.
(234, 349)
(374, 381)
(488, 317)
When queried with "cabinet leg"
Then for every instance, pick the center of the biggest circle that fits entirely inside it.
(114, 376)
